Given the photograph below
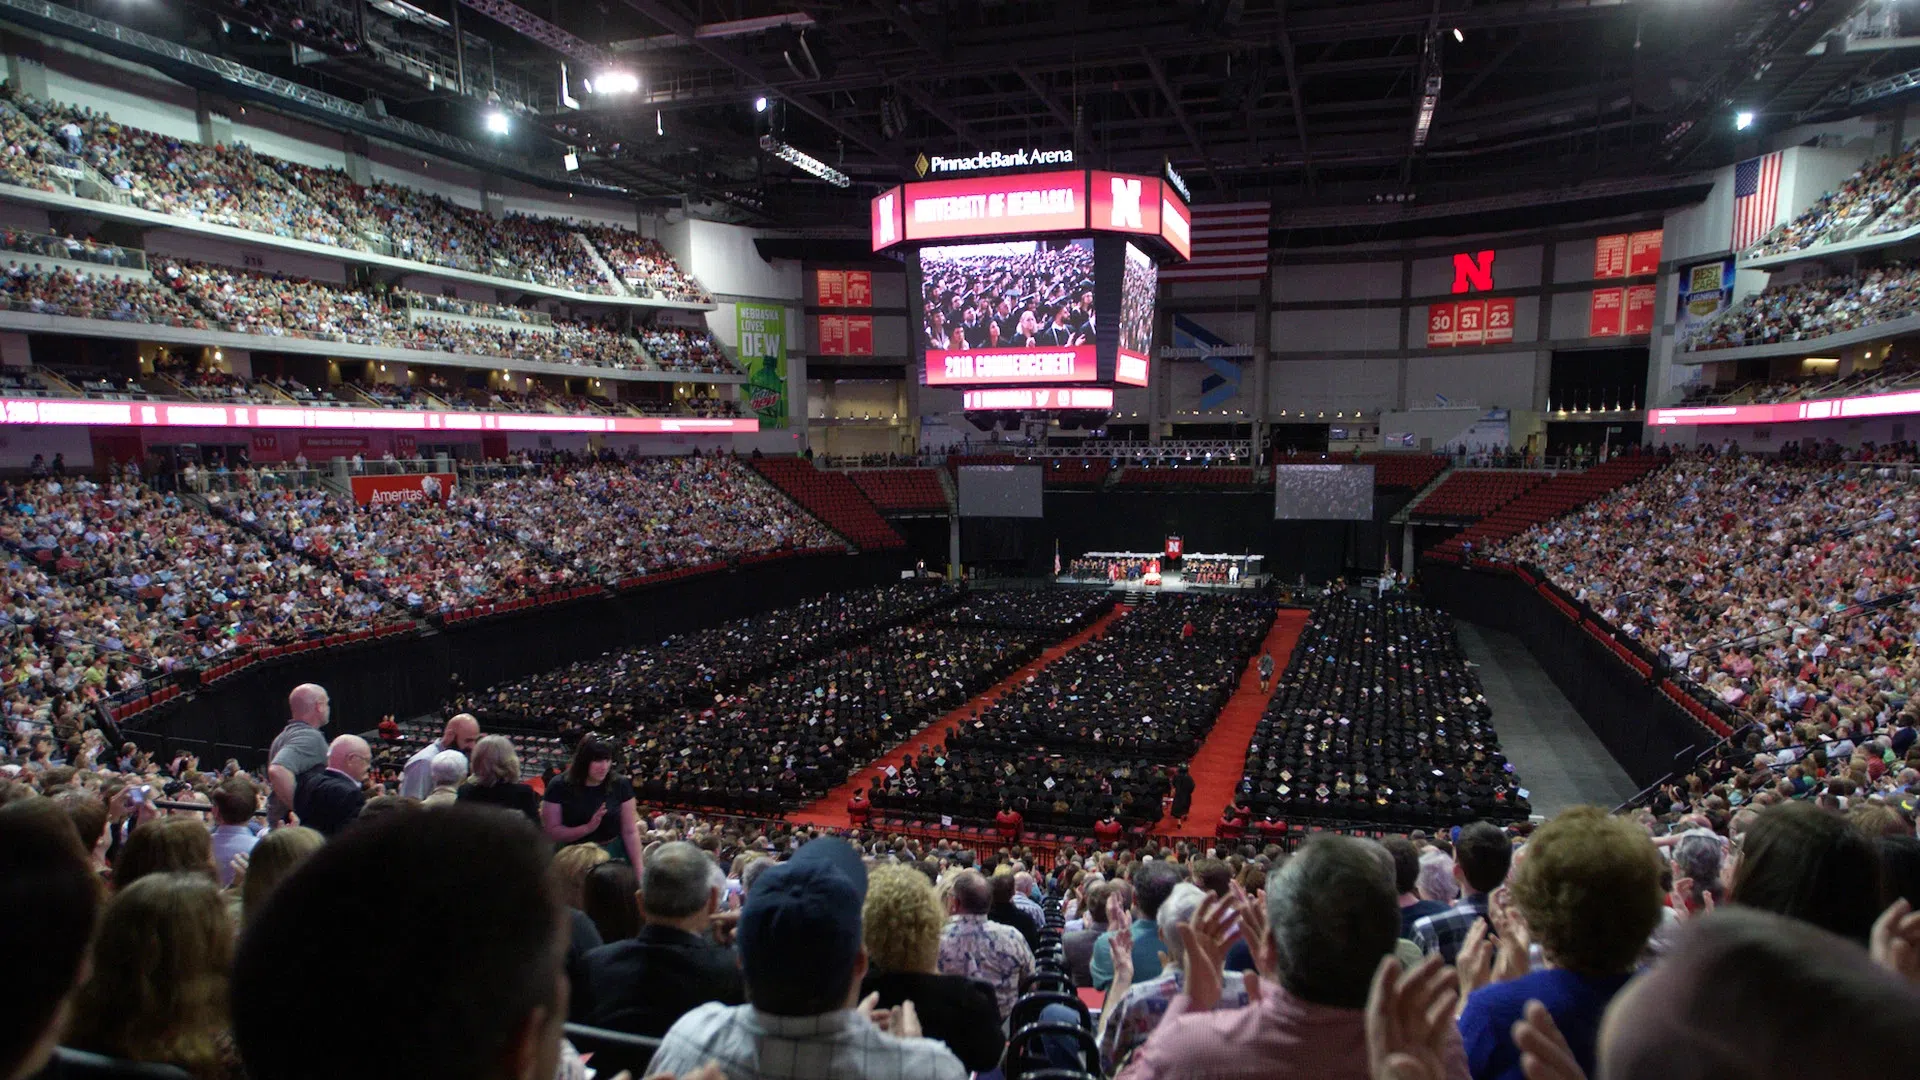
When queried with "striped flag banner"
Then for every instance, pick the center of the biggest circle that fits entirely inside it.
(1230, 243)
(1756, 199)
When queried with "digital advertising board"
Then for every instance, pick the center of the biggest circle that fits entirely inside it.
(996, 206)
(1138, 283)
(1020, 311)
(1037, 398)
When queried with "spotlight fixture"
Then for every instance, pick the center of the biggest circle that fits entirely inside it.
(1457, 35)
(805, 162)
(1742, 120)
(497, 122)
(760, 104)
(614, 82)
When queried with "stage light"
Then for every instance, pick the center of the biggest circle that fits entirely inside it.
(614, 82)
(497, 122)
(760, 104)
(1457, 35)
(805, 162)
(1742, 120)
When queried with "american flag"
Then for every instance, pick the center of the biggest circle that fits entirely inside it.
(1756, 199)
(1230, 242)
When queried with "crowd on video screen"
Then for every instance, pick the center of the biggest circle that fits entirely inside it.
(1032, 294)
(1137, 286)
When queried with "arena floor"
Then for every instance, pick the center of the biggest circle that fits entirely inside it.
(1560, 760)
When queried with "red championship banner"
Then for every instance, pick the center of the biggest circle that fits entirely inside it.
(1610, 256)
(1176, 222)
(859, 288)
(859, 335)
(1130, 367)
(389, 490)
(831, 285)
(1603, 313)
(974, 367)
(994, 206)
(833, 335)
(1500, 321)
(1126, 203)
(1643, 252)
(1440, 325)
(1470, 322)
(1639, 309)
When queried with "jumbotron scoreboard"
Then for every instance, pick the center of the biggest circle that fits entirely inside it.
(1034, 291)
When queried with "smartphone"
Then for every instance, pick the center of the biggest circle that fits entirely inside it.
(138, 796)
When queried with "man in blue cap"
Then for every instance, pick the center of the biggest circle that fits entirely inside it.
(801, 951)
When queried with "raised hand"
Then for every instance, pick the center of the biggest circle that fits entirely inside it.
(1544, 1053)
(1895, 942)
(1205, 938)
(1410, 1020)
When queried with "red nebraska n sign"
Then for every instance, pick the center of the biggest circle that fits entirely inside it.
(1473, 271)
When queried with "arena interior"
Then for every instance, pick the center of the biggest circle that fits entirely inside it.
(1323, 539)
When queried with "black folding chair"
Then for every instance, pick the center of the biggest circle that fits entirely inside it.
(1027, 1009)
(1042, 981)
(1026, 1058)
(613, 1051)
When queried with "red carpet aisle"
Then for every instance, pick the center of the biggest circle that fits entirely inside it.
(831, 810)
(1222, 759)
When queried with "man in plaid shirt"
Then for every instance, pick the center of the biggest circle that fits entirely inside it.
(1481, 856)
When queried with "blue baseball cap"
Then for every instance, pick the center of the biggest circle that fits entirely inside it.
(802, 917)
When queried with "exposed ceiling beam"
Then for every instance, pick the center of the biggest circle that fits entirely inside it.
(939, 112)
(723, 50)
(1180, 114)
(1480, 77)
(1059, 111)
(1293, 94)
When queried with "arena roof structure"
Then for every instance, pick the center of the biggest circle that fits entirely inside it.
(1363, 112)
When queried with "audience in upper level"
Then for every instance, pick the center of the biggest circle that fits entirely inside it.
(1812, 308)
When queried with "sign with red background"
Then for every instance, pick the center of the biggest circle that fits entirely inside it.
(846, 335)
(1176, 222)
(1440, 332)
(1643, 252)
(887, 222)
(1470, 322)
(1639, 309)
(390, 490)
(1126, 203)
(995, 206)
(1039, 398)
(844, 288)
(1603, 312)
(1500, 320)
(1610, 256)
(976, 367)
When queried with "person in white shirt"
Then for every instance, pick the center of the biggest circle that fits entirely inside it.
(802, 954)
(416, 777)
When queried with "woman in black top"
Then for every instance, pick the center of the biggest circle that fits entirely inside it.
(903, 921)
(589, 804)
(494, 779)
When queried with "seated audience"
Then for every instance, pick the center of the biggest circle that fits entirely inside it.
(1482, 856)
(1133, 1008)
(49, 900)
(903, 925)
(276, 856)
(1151, 884)
(801, 954)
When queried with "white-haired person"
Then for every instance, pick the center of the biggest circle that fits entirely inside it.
(1135, 1009)
(494, 779)
(448, 770)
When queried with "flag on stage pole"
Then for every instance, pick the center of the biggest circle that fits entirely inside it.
(1056, 557)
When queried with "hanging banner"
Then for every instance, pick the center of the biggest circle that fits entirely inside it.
(1643, 252)
(1706, 290)
(1603, 313)
(762, 330)
(1440, 332)
(1500, 321)
(1639, 309)
(1610, 256)
(1470, 322)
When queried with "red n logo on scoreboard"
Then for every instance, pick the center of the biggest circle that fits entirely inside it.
(1473, 271)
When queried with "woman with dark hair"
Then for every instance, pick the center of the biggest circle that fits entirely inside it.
(608, 896)
(589, 803)
(1812, 865)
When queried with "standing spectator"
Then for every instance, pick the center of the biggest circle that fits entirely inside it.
(1266, 671)
(976, 948)
(1007, 823)
(1133, 1011)
(1406, 879)
(276, 855)
(903, 923)
(1182, 795)
(495, 779)
(233, 805)
(1152, 884)
(646, 983)
(800, 947)
(590, 805)
(1078, 944)
(1482, 856)
(1589, 893)
(299, 749)
(1331, 918)
(460, 734)
(401, 889)
(448, 770)
(49, 898)
(1806, 863)
(158, 988)
(329, 800)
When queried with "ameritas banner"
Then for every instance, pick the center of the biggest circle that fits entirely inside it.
(762, 330)
(415, 488)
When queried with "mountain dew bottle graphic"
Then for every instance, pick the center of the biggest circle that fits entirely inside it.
(767, 391)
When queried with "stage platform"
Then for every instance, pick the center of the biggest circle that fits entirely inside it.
(1170, 582)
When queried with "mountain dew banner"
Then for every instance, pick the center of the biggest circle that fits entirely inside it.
(763, 356)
